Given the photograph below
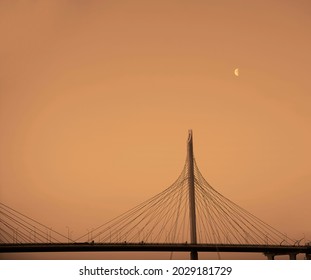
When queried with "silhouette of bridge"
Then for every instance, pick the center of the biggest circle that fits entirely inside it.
(189, 216)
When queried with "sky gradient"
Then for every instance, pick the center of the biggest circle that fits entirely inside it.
(96, 99)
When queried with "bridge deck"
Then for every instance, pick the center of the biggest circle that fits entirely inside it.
(144, 247)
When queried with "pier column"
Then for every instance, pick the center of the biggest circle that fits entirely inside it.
(292, 256)
(270, 256)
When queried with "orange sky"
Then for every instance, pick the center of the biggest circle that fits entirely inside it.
(96, 98)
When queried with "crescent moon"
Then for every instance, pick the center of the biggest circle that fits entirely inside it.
(236, 72)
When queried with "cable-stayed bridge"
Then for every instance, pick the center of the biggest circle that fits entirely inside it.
(188, 216)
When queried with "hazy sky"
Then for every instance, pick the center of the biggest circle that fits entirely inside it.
(96, 99)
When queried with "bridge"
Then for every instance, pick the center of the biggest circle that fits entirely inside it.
(189, 216)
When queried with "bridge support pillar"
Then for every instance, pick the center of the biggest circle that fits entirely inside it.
(308, 256)
(292, 256)
(270, 256)
(194, 255)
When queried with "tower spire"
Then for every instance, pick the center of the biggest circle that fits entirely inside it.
(192, 214)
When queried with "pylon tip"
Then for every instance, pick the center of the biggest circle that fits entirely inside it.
(189, 135)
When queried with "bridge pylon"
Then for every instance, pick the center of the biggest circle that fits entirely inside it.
(192, 212)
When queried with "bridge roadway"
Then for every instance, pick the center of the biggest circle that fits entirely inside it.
(269, 250)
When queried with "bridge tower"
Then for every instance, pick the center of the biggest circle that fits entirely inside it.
(193, 228)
